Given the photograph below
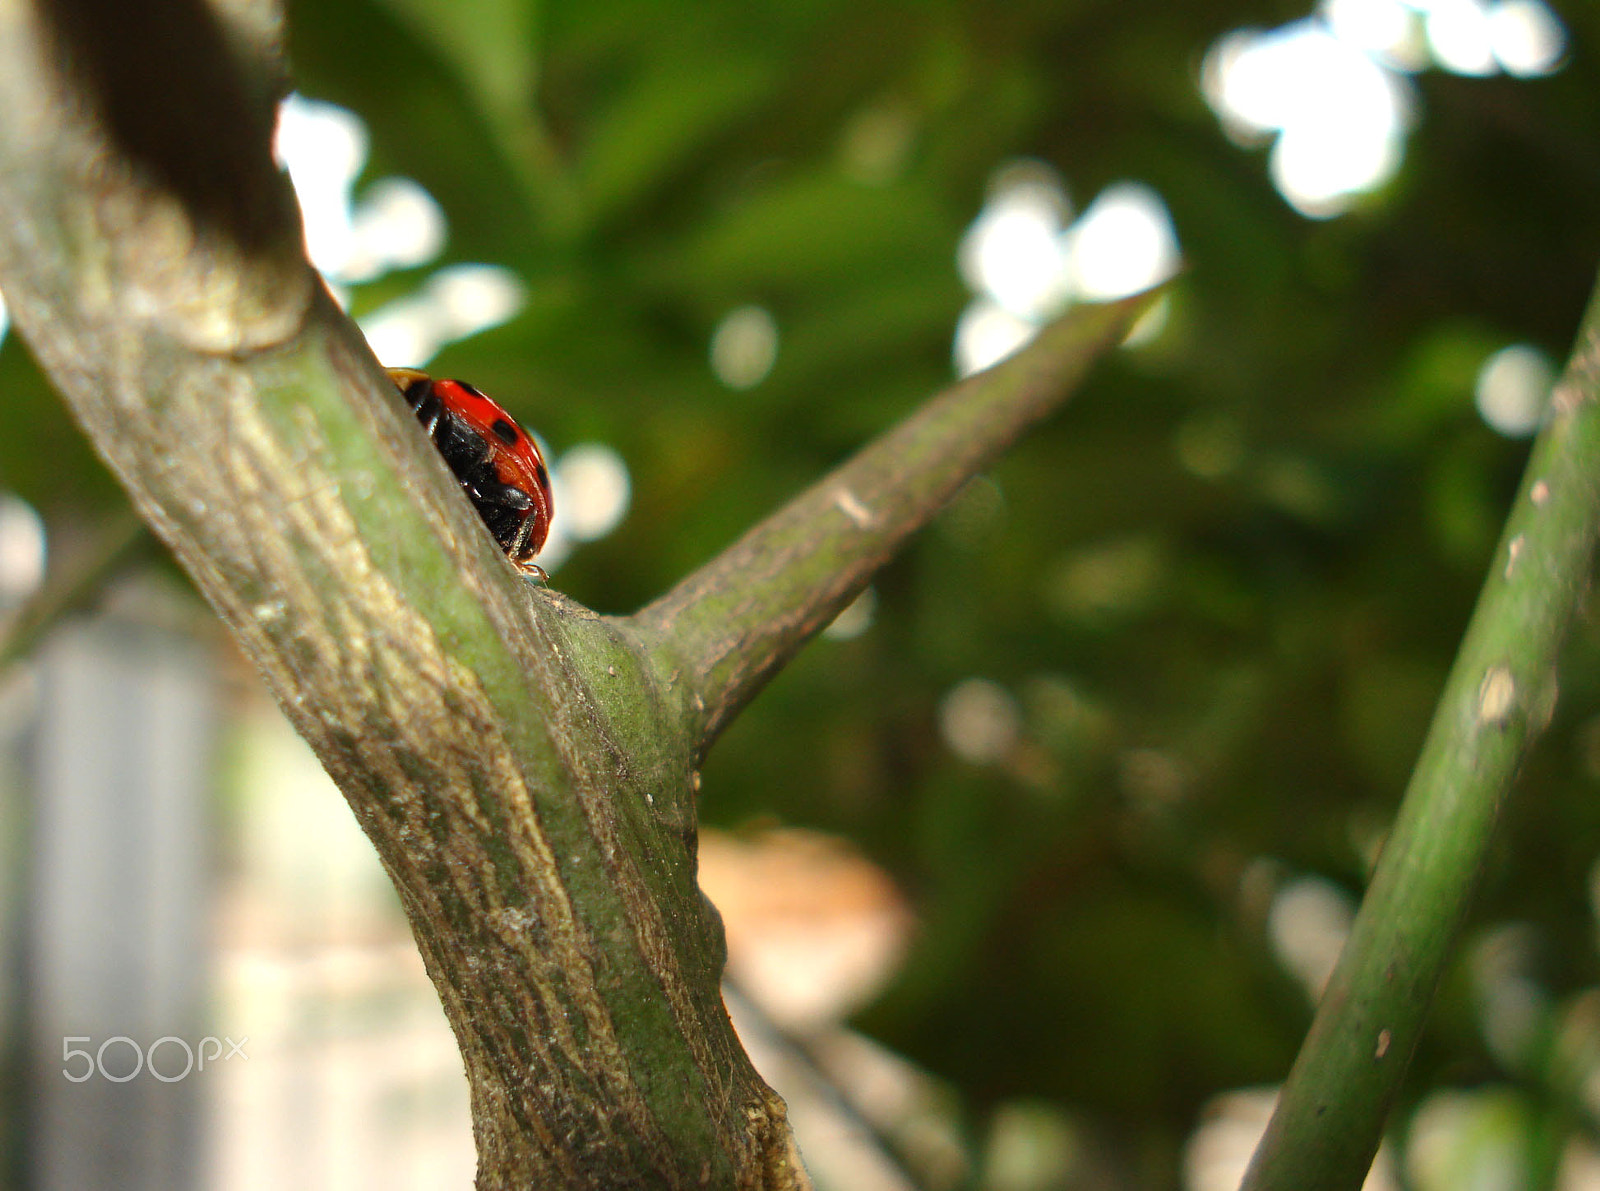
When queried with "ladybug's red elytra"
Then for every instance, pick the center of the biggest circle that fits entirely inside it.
(500, 467)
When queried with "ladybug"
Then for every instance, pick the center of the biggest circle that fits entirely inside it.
(499, 465)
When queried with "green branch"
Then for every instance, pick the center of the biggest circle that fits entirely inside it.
(737, 620)
(525, 785)
(1498, 697)
(524, 768)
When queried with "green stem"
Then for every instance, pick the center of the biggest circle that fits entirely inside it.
(1499, 695)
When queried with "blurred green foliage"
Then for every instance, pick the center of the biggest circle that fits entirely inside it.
(1223, 586)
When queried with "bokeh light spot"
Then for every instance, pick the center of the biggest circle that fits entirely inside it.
(1013, 252)
(987, 333)
(1338, 114)
(1123, 244)
(1389, 29)
(855, 618)
(1528, 39)
(1025, 263)
(877, 142)
(1308, 924)
(22, 549)
(1459, 36)
(1513, 1008)
(1513, 389)
(1320, 169)
(1032, 1146)
(595, 491)
(1099, 582)
(473, 298)
(744, 347)
(323, 146)
(1477, 1139)
(979, 721)
(457, 301)
(1330, 88)
(1219, 1151)
(396, 225)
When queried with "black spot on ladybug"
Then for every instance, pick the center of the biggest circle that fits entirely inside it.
(473, 389)
(504, 431)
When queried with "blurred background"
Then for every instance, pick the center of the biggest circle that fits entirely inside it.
(1034, 864)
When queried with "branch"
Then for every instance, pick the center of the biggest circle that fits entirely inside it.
(1500, 694)
(736, 621)
(524, 768)
(524, 783)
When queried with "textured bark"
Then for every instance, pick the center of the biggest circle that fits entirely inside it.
(525, 768)
(539, 829)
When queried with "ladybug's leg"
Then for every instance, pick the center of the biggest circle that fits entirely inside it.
(519, 544)
(485, 487)
(427, 406)
(508, 495)
(415, 392)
